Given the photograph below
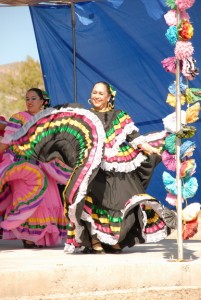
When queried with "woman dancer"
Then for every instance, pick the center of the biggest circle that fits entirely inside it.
(29, 196)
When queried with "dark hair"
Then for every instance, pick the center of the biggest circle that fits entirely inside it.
(109, 89)
(43, 95)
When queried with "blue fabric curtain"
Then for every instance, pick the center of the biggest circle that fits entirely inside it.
(121, 42)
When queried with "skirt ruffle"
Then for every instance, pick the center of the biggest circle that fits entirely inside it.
(31, 205)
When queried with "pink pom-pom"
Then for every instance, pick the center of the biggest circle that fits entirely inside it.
(169, 64)
(183, 50)
(172, 199)
(184, 15)
(169, 160)
(184, 4)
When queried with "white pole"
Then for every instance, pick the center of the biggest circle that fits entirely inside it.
(178, 161)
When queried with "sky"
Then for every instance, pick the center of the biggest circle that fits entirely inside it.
(17, 40)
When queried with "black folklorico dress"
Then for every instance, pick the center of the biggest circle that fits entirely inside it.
(105, 195)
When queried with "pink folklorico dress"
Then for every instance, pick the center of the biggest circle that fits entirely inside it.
(30, 203)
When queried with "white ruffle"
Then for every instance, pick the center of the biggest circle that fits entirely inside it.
(151, 137)
(138, 141)
(102, 237)
(148, 138)
(70, 249)
(148, 200)
(128, 129)
(125, 167)
(169, 121)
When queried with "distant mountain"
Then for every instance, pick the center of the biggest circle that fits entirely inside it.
(5, 69)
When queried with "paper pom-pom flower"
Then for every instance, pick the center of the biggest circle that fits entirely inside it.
(186, 149)
(169, 122)
(170, 218)
(186, 132)
(169, 64)
(172, 199)
(189, 187)
(171, 3)
(171, 35)
(185, 30)
(189, 229)
(189, 70)
(193, 95)
(170, 183)
(190, 212)
(171, 100)
(183, 50)
(171, 17)
(184, 4)
(169, 160)
(192, 113)
(172, 87)
(170, 143)
(187, 168)
(184, 15)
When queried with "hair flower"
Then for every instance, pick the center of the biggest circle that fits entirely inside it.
(112, 91)
(184, 4)
(183, 50)
(171, 35)
(185, 30)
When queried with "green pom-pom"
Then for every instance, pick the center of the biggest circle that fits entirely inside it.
(171, 4)
(170, 143)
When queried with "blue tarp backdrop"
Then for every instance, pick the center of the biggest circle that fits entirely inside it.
(121, 42)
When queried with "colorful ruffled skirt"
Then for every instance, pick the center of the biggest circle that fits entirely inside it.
(30, 203)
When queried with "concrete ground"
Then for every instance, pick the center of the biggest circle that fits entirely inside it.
(149, 271)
